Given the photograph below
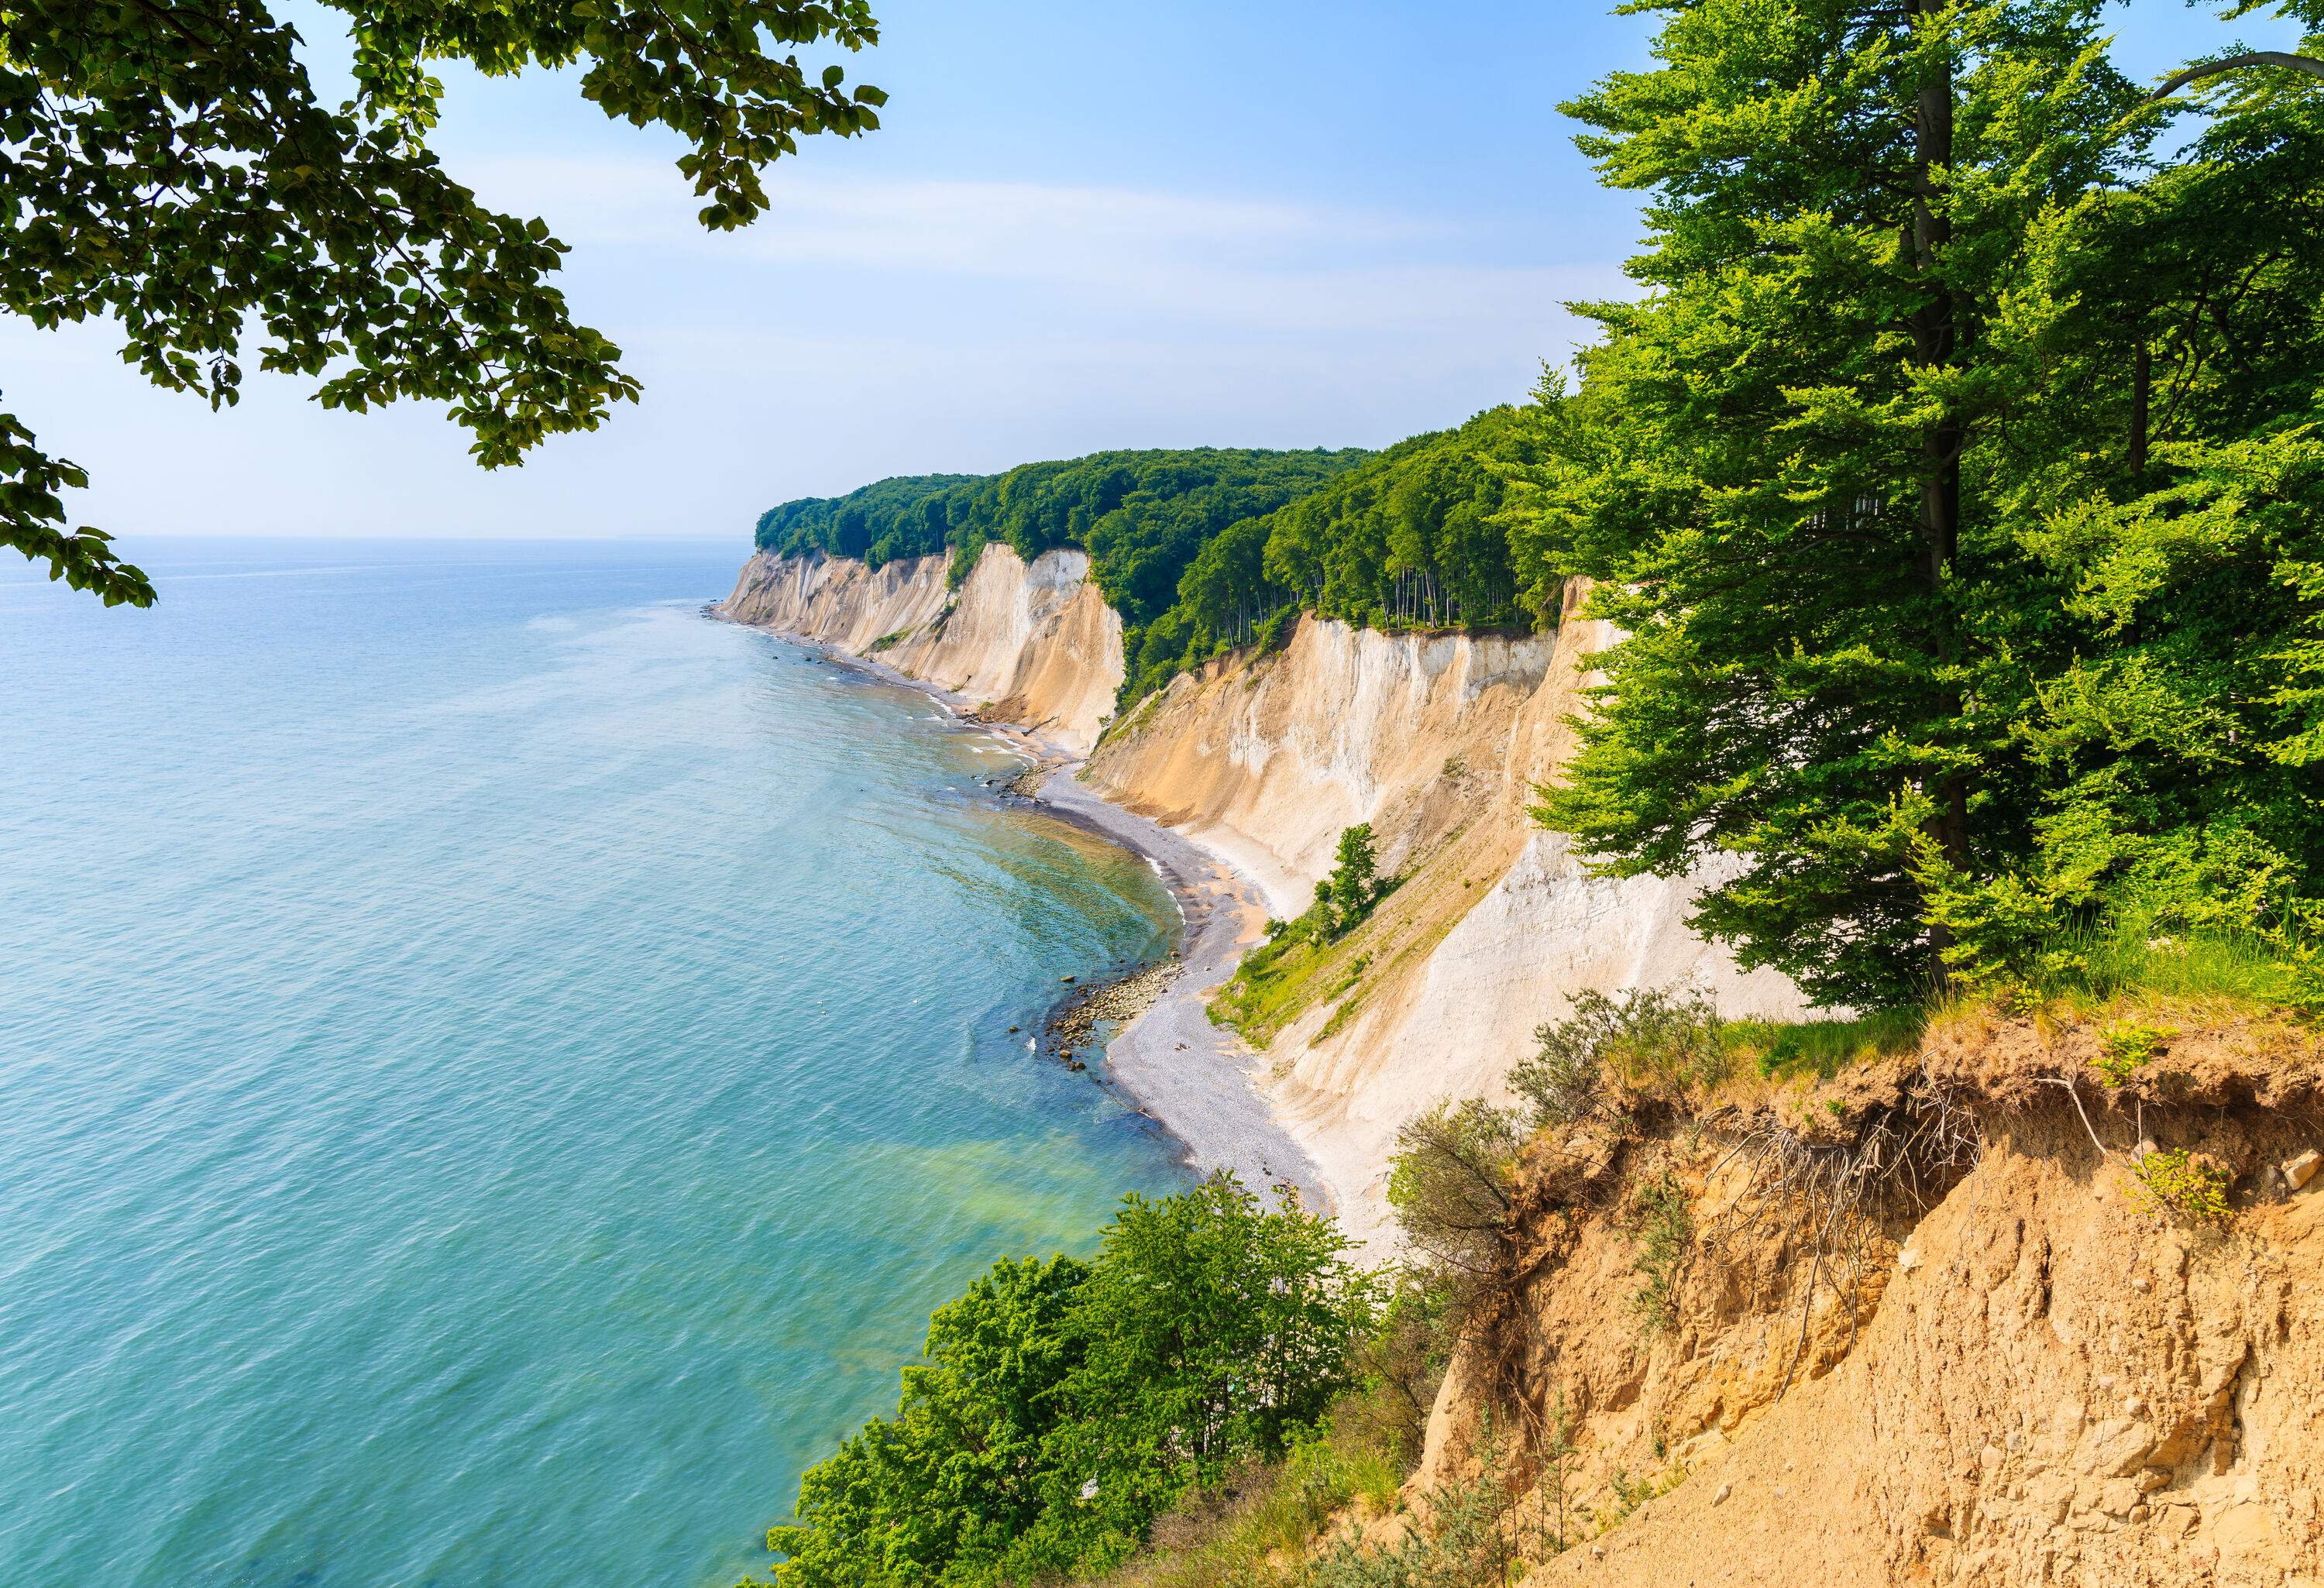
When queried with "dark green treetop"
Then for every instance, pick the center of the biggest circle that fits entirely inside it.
(1786, 486)
(1956, 491)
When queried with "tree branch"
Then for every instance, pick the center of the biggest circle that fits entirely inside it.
(2196, 74)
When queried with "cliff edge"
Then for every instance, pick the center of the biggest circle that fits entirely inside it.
(1034, 643)
(1924, 1323)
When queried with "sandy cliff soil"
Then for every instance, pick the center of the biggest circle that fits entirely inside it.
(2034, 1378)
(1034, 644)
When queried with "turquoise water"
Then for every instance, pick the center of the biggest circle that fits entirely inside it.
(494, 1066)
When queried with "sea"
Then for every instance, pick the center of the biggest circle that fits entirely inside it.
(496, 1066)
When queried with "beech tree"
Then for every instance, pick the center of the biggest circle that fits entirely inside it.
(167, 163)
(1788, 511)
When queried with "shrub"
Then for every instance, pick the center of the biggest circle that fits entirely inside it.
(1665, 1236)
(1479, 1537)
(1354, 886)
(1253, 1529)
(1650, 1036)
(1277, 977)
(2123, 1050)
(1398, 1366)
(1453, 1183)
(2178, 1182)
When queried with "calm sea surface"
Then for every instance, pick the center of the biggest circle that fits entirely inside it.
(496, 1067)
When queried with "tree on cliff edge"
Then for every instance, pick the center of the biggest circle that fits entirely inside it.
(166, 163)
(1797, 532)
(1959, 488)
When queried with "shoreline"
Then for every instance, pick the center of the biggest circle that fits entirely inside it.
(1195, 1080)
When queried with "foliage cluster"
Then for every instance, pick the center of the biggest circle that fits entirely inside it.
(1453, 1186)
(1062, 1405)
(1269, 1529)
(1665, 1225)
(1959, 489)
(2123, 1050)
(1479, 1534)
(169, 167)
(1255, 1529)
(1648, 1035)
(2181, 1184)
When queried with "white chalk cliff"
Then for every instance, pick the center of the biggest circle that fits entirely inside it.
(1437, 740)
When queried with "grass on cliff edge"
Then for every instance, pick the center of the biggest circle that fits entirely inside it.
(2239, 969)
(2222, 972)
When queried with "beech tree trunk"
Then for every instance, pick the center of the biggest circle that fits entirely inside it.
(2142, 387)
(1936, 334)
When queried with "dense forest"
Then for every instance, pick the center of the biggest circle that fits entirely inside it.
(1413, 537)
(1141, 516)
(1201, 552)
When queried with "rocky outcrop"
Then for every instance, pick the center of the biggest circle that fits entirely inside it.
(1029, 643)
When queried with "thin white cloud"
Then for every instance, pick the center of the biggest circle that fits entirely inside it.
(947, 223)
(1283, 267)
(865, 327)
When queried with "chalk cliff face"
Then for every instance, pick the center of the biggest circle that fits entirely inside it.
(1438, 742)
(1034, 643)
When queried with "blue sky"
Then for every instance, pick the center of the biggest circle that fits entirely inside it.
(1176, 223)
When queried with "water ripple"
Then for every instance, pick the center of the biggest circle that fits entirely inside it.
(497, 1066)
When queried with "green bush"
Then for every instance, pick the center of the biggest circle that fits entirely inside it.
(2123, 1050)
(1664, 1229)
(1398, 1366)
(1649, 1036)
(1062, 1405)
(1479, 1536)
(2179, 1184)
(1453, 1183)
